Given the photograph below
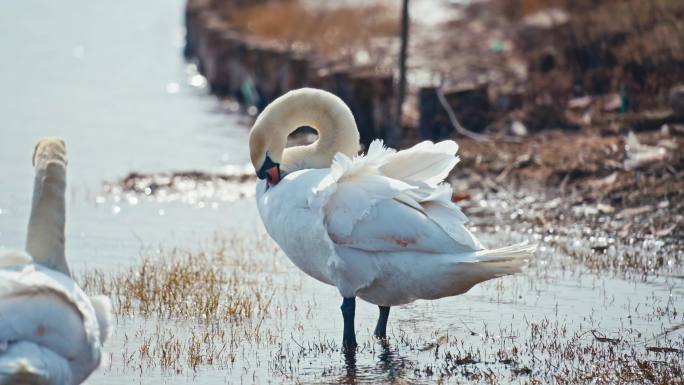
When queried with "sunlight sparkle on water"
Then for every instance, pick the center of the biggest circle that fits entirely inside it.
(172, 88)
(197, 81)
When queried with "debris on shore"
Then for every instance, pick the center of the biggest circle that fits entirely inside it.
(191, 187)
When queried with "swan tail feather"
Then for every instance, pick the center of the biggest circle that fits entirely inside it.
(489, 264)
(509, 259)
(104, 314)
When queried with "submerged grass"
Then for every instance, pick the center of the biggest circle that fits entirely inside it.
(214, 285)
(233, 307)
(191, 308)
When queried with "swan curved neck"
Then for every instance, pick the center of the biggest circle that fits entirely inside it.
(45, 239)
(320, 110)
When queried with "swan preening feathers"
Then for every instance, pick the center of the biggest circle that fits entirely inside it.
(379, 226)
(51, 332)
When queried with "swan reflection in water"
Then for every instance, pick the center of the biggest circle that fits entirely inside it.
(390, 366)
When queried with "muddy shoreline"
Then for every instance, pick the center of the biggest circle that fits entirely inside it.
(590, 305)
(579, 153)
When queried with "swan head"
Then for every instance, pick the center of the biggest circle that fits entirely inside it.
(318, 109)
(265, 160)
(49, 149)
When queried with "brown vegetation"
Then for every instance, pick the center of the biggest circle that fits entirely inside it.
(332, 30)
(633, 47)
(224, 308)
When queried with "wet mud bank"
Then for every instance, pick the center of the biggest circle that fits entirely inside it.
(255, 71)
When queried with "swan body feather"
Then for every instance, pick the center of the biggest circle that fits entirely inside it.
(382, 226)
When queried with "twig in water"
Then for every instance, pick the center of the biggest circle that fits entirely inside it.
(659, 349)
(295, 341)
(602, 338)
(472, 333)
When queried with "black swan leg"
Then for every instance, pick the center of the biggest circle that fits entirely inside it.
(381, 328)
(348, 310)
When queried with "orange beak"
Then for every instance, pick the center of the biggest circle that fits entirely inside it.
(270, 171)
(273, 176)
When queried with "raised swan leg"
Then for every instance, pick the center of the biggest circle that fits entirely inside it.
(381, 328)
(348, 309)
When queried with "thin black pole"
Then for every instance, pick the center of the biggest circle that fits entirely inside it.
(401, 86)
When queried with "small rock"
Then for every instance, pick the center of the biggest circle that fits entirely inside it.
(605, 209)
(552, 204)
(518, 129)
(664, 232)
(585, 210)
(665, 130)
(639, 154)
(601, 183)
(546, 18)
(634, 211)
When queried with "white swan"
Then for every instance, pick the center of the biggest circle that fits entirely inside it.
(379, 226)
(51, 332)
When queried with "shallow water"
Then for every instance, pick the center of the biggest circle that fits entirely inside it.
(109, 78)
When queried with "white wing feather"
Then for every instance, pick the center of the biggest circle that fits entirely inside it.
(396, 201)
(425, 162)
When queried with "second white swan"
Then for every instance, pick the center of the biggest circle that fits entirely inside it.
(51, 332)
(379, 226)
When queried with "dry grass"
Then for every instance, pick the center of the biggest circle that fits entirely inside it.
(210, 286)
(326, 30)
(229, 307)
(551, 352)
(201, 305)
